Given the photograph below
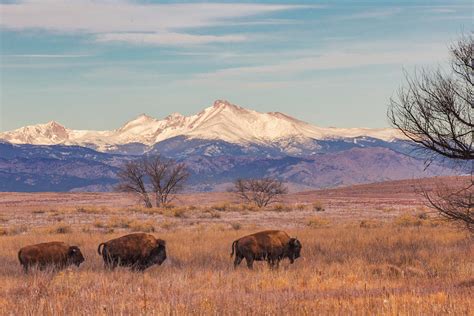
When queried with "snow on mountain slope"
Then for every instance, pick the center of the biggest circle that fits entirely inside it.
(222, 121)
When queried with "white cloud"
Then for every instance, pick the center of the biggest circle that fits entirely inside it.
(109, 18)
(167, 38)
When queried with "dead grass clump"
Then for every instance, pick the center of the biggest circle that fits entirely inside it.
(119, 222)
(222, 207)
(213, 214)
(126, 223)
(113, 222)
(236, 226)
(169, 205)
(13, 230)
(60, 228)
(99, 224)
(180, 212)
(422, 215)
(250, 208)
(168, 225)
(317, 222)
(394, 271)
(370, 223)
(407, 220)
(142, 226)
(414, 272)
(87, 210)
(279, 208)
(387, 270)
(301, 206)
(387, 209)
(318, 206)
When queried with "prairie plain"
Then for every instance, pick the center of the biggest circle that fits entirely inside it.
(368, 249)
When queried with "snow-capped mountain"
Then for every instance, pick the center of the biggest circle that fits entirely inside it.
(218, 145)
(221, 122)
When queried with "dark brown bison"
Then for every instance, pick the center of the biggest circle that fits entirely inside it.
(270, 245)
(138, 251)
(57, 255)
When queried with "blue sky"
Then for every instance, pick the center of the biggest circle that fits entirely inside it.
(96, 64)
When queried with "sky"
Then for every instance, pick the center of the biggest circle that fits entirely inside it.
(95, 64)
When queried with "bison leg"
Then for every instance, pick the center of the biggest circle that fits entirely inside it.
(249, 262)
(273, 263)
(237, 260)
(110, 263)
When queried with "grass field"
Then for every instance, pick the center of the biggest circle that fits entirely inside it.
(385, 258)
(348, 270)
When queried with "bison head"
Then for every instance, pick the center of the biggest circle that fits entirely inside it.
(75, 256)
(158, 254)
(294, 249)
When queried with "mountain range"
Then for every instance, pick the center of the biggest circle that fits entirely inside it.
(223, 121)
(219, 144)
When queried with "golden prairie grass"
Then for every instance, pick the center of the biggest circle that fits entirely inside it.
(391, 270)
(124, 222)
(318, 222)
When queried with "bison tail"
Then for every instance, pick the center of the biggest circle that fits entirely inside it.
(19, 257)
(98, 248)
(233, 247)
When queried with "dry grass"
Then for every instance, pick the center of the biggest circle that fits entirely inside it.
(344, 270)
(318, 222)
(368, 253)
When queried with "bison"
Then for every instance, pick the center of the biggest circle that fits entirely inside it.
(57, 255)
(137, 251)
(270, 245)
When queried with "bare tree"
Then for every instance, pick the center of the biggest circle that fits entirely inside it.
(454, 204)
(167, 177)
(435, 111)
(260, 191)
(159, 176)
(132, 179)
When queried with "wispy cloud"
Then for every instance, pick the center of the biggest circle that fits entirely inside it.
(45, 56)
(374, 14)
(131, 21)
(167, 38)
(334, 59)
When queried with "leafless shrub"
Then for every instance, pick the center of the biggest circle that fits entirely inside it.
(262, 192)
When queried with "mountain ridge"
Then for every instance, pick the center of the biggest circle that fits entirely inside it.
(221, 121)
